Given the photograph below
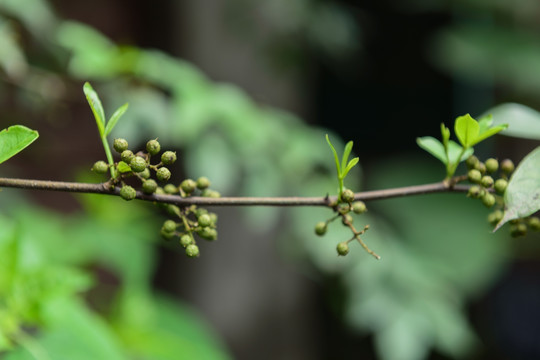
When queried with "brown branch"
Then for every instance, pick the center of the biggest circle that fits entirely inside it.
(104, 188)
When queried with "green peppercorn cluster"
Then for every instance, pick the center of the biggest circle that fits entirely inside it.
(344, 209)
(153, 177)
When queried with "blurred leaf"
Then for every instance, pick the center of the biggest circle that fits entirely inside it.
(433, 146)
(14, 139)
(454, 151)
(114, 118)
(94, 102)
(12, 58)
(523, 121)
(346, 154)
(522, 196)
(37, 15)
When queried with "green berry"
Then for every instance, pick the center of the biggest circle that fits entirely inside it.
(153, 147)
(210, 193)
(487, 181)
(127, 155)
(149, 186)
(519, 229)
(170, 189)
(203, 183)
(507, 166)
(495, 217)
(207, 233)
(100, 167)
(186, 240)
(192, 251)
(188, 186)
(474, 176)
(492, 165)
(168, 157)
(342, 248)
(173, 210)
(213, 217)
(167, 235)
(347, 195)
(343, 209)
(127, 192)
(200, 211)
(500, 186)
(163, 174)
(169, 226)
(534, 223)
(145, 174)
(320, 228)
(347, 219)
(488, 199)
(120, 145)
(204, 220)
(475, 192)
(358, 207)
(471, 162)
(137, 164)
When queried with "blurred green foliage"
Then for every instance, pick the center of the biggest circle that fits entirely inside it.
(412, 301)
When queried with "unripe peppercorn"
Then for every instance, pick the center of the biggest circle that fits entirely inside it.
(347, 195)
(127, 192)
(495, 217)
(500, 186)
(481, 167)
(208, 233)
(188, 186)
(153, 147)
(507, 166)
(120, 145)
(145, 174)
(167, 235)
(488, 200)
(213, 217)
(192, 251)
(210, 193)
(487, 181)
(519, 229)
(169, 226)
(320, 228)
(534, 223)
(475, 192)
(204, 220)
(342, 248)
(100, 167)
(203, 183)
(127, 155)
(492, 165)
(168, 157)
(163, 174)
(347, 219)
(358, 207)
(149, 186)
(186, 240)
(474, 176)
(137, 164)
(170, 189)
(173, 210)
(471, 162)
(343, 209)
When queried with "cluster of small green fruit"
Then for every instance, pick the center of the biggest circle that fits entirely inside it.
(138, 165)
(343, 210)
(490, 192)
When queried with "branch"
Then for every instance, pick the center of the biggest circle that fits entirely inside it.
(104, 188)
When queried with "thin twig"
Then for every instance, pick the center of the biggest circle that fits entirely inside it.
(104, 188)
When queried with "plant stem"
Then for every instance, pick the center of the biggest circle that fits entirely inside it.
(109, 156)
(106, 189)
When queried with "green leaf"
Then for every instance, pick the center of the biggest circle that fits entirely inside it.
(14, 139)
(454, 151)
(467, 130)
(350, 165)
(524, 121)
(94, 102)
(335, 155)
(345, 157)
(123, 167)
(434, 147)
(115, 117)
(522, 196)
(485, 122)
(445, 133)
(489, 132)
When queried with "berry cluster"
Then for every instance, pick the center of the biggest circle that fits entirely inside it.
(189, 220)
(490, 191)
(343, 209)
